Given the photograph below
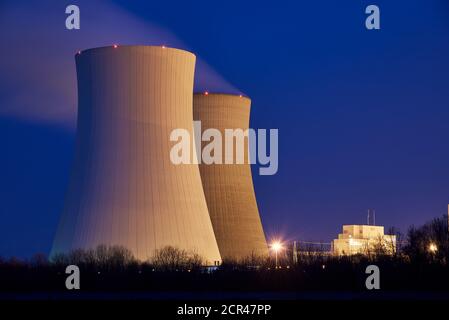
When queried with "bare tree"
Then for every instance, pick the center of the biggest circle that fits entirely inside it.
(395, 247)
(102, 256)
(39, 260)
(429, 242)
(170, 258)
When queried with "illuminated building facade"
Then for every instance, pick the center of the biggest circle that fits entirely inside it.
(363, 239)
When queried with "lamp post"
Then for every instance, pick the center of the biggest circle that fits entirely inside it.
(276, 246)
(433, 248)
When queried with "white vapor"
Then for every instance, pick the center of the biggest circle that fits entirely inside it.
(37, 66)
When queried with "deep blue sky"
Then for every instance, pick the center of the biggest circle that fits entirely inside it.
(363, 116)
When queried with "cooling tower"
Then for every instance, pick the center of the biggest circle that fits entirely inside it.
(228, 187)
(124, 190)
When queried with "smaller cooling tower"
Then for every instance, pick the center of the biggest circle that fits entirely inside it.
(228, 187)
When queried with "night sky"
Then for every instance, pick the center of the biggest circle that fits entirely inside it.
(363, 116)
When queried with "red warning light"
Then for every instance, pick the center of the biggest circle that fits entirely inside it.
(206, 93)
(115, 46)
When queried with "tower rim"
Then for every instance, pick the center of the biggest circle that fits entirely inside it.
(217, 94)
(118, 46)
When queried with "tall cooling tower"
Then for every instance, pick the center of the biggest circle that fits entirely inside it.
(124, 190)
(228, 187)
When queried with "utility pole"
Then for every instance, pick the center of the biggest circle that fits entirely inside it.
(295, 253)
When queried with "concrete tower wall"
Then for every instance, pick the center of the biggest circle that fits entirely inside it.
(228, 187)
(124, 190)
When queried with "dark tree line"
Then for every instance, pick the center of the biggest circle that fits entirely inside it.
(420, 264)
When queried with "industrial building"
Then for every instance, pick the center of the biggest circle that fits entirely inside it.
(228, 186)
(123, 189)
(363, 239)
